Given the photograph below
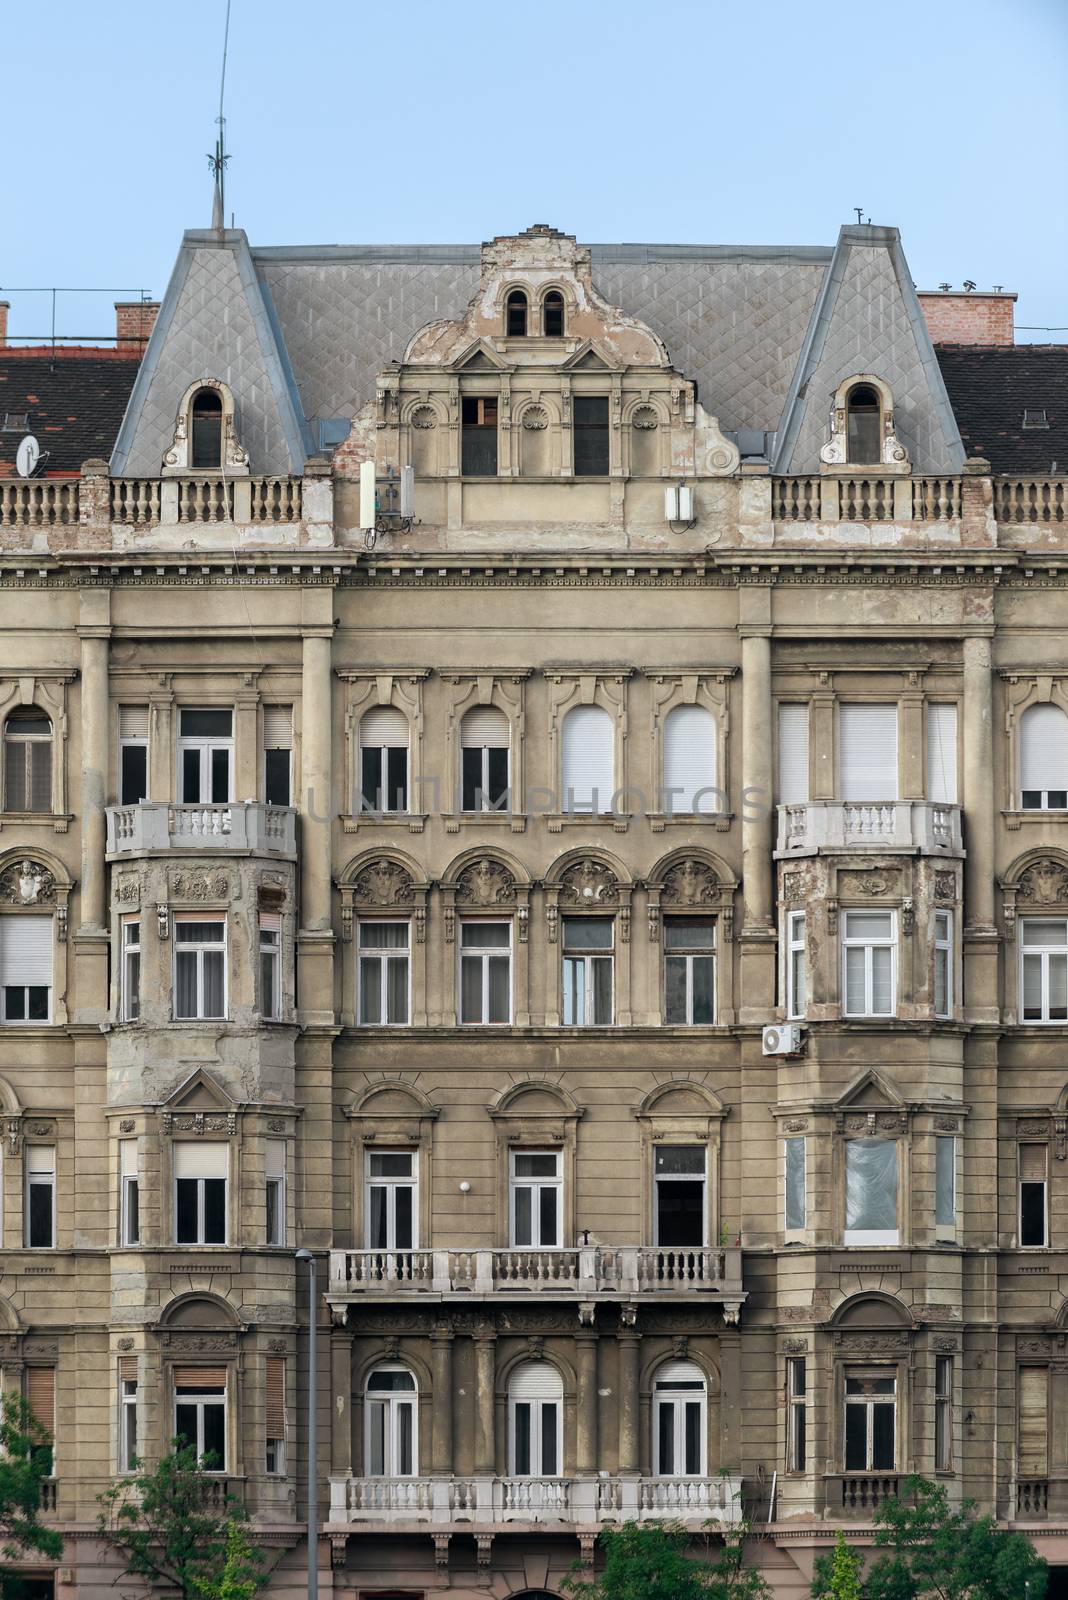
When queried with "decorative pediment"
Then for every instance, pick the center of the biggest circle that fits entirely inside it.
(199, 1105)
(590, 885)
(690, 884)
(588, 358)
(383, 884)
(1044, 883)
(870, 1091)
(481, 357)
(485, 883)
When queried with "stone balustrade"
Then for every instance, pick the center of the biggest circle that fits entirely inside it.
(866, 499)
(38, 502)
(607, 1498)
(160, 825)
(810, 826)
(1029, 500)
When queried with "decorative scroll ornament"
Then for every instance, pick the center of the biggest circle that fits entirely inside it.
(1044, 884)
(383, 883)
(691, 883)
(589, 883)
(27, 883)
(485, 883)
(200, 886)
(535, 418)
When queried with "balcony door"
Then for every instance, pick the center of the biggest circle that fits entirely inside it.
(205, 756)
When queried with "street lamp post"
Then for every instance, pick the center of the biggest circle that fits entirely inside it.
(313, 1565)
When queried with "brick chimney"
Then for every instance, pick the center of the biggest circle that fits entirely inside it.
(961, 316)
(5, 307)
(133, 324)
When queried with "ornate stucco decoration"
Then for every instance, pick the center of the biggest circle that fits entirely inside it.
(1044, 884)
(485, 883)
(383, 885)
(690, 883)
(589, 884)
(200, 886)
(27, 883)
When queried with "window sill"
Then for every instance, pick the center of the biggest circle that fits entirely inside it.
(1015, 817)
(58, 821)
(720, 820)
(455, 820)
(414, 821)
(587, 819)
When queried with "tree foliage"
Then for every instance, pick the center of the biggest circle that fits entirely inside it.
(170, 1525)
(652, 1561)
(25, 1461)
(837, 1576)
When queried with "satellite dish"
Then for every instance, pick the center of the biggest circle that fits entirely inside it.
(27, 456)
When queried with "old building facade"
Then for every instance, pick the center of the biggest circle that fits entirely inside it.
(614, 910)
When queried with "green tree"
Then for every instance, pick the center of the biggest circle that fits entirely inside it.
(25, 1460)
(170, 1525)
(652, 1561)
(837, 1576)
(936, 1553)
(242, 1571)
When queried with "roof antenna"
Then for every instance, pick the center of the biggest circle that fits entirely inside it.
(858, 210)
(217, 162)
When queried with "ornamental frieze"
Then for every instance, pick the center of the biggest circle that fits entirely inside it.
(199, 886)
(871, 1343)
(199, 1122)
(199, 1343)
(868, 884)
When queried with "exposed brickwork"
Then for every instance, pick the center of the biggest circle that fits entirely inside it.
(5, 307)
(134, 320)
(969, 318)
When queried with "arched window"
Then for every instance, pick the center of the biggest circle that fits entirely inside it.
(384, 760)
(484, 759)
(390, 1425)
(863, 426)
(552, 315)
(535, 1421)
(1044, 759)
(679, 1421)
(690, 760)
(516, 309)
(206, 430)
(588, 760)
(28, 760)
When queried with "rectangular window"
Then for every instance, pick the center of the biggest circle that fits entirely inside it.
(275, 1178)
(129, 1193)
(588, 962)
(200, 1178)
(870, 1422)
(28, 761)
(485, 972)
(41, 1398)
(793, 754)
(478, 436)
(943, 964)
(131, 969)
(384, 736)
(689, 971)
(942, 753)
(270, 965)
(275, 1385)
(278, 755)
(797, 1413)
(133, 755)
(945, 1181)
(1032, 1425)
(536, 1194)
(871, 1191)
(795, 1214)
(796, 968)
(200, 1413)
(943, 1413)
(26, 969)
(1034, 1207)
(867, 752)
(391, 1208)
(868, 960)
(127, 1413)
(1044, 963)
(40, 1162)
(680, 1205)
(205, 756)
(199, 967)
(590, 432)
(383, 962)
(485, 738)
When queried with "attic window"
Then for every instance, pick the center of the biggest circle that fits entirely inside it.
(863, 425)
(1034, 418)
(207, 429)
(553, 314)
(516, 315)
(19, 422)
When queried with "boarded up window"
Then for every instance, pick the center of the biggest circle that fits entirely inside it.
(1031, 1421)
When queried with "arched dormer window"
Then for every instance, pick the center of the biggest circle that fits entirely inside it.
(205, 433)
(516, 312)
(863, 425)
(206, 430)
(28, 760)
(552, 315)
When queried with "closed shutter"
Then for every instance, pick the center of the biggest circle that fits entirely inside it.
(133, 722)
(128, 1369)
(199, 1377)
(270, 921)
(1031, 1422)
(536, 1380)
(675, 1372)
(41, 1158)
(1044, 748)
(385, 727)
(276, 1397)
(689, 759)
(26, 951)
(793, 754)
(195, 1160)
(867, 738)
(128, 1158)
(589, 759)
(485, 725)
(41, 1395)
(276, 1158)
(278, 727)
(942, 753)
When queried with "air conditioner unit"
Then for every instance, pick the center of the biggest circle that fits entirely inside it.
(781, 1039)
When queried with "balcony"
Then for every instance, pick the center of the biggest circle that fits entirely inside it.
(813, 826)
(528, 1500)
(589, 1272)
(158, 825)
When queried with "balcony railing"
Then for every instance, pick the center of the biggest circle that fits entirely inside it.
(589, 1270)
(814, 825)
(501, 1500)
(1030, 500)
(158, 825)
(1032, 1497)
(864, 1493)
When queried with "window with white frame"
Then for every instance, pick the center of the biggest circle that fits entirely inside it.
(130, 972)
(793, 753)
(205, 756)
(383, 962)
(127, 1379)
(680, 1195)
(945, 1182)
(943, 1413)
(129, 1193)
(689, 971)
(535, 1199)
(1044, 759)
(588, 760)
(943, 963)
(690, 761)
(384, 738)
(867, 752)
(200, 1413)
(26, 969)
(484, 763)
(795, 1180)
(275, 1414)
(796, 965)
(199, 966)
(796, 1413)
(278, 755)
(275, 1190)
(679, 1425)
(201, 1173)
(270, 965)
(871, 1185)
(1044, 969)
(40, 1164)
(588, 944)
(942, 752)
(390, 1424)
(1034, 1196)
(485, 972)
(870, 1420)
(28, 760)
(535, 1421)
(133, 755)
(391, 1207)
(868, 963)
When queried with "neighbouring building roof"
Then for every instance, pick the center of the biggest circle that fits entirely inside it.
(73, 401)
(991, 387)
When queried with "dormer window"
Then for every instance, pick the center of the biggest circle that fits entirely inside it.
(207, 430)
(862, 429)
(516, 310)
(552, 314)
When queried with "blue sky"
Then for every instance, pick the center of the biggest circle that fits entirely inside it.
(712, 122)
